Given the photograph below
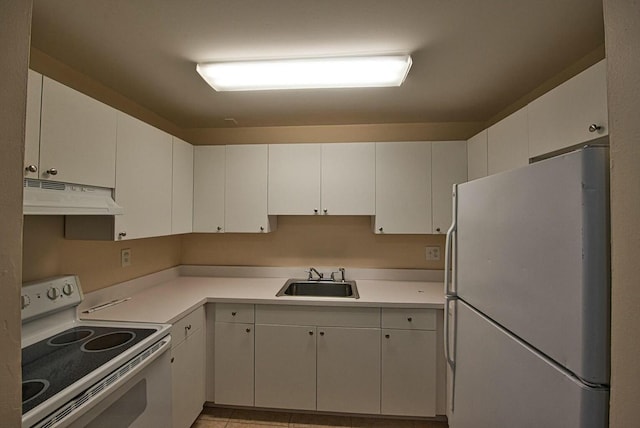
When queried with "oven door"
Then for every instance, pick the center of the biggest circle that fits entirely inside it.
(141, 398)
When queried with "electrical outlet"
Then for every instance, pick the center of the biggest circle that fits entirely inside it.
(433, 253)
(125, 257)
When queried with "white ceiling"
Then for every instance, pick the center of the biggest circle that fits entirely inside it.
(471, 58)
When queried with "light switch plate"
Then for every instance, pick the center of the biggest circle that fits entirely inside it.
(432, 253)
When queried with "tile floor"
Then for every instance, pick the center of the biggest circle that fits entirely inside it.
(218, 417)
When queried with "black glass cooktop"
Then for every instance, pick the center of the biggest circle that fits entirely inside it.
(51, 365)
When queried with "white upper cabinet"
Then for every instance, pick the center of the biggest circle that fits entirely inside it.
(348, 179)
(508, 143)
(182, 195)
(570, 114)
(32, 131)
(208, 188)
(403, 188)
(77, 138)
(294, 179)
(246, 189)
(309, 179)
(144, 180)
(448, 167)
(477, 156)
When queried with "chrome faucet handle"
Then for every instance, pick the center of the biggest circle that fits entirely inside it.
(313, 270)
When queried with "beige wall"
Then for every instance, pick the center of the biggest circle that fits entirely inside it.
(46, 253)
(313, 241)
(622, 32)
(15, 27)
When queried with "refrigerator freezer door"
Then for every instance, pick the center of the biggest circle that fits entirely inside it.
(532, 255)
(501, 382)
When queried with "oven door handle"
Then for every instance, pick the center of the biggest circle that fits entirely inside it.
(84, 402)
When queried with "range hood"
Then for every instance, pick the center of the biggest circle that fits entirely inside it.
(43, 197)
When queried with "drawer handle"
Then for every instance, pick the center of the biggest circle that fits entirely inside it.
(233, 314)
(248, 330)
(409, 319)
(187, 328)
(387, 336)
(310, 333)
(172, 359)
(593, 127)
(322, 333)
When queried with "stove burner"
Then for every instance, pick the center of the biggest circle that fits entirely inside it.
(108, 341)
(32, 388)
(70, 337)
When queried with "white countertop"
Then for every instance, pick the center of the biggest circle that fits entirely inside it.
(169, 301)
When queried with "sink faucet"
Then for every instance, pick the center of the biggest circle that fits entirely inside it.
(341, 271)
(313, 270)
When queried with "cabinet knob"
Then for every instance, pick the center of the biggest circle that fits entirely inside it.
(381, 229)
(172, 359)
(248, 330)
(52, 171)
(386, 336)
(233, 314)
(324, 210)
(438, 229)
(218, 228)
(187, 328)
(409, 319)
(315, 211)
(310, 333)
(31, 168)
(261, 228)
(122, 235)
(593, 127)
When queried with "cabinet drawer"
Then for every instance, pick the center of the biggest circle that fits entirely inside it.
(187, 325)
(234, 312)
(409, 319)
(317, 315)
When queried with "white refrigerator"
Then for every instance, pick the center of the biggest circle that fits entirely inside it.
(527, 313)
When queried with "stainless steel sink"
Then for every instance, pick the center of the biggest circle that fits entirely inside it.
(319, 288)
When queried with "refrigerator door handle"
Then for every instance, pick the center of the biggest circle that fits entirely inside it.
(447, 342)
(448, 247)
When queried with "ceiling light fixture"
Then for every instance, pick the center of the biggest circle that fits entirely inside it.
(311, 73)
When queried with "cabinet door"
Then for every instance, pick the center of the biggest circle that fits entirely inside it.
(403, 187)
(408, 373)
(348, 371)
(233, 355)
(187, 379)
(32, 126)
(285, 375)
(561, 117)
(246, 189)
(144, 175)
(208, 188)
(448, 167)
(348, 179)
(77, 137)
(508, 143)
(182, 195)
(477, 156)
(294, 179)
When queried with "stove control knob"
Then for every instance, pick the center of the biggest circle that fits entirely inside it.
(53, 293)
(25, 301)
(67, 289)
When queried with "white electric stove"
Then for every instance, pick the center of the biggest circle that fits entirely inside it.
(88, 373)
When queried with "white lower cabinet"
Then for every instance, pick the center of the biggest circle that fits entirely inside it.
(234, 363)
(408, 372)
(348, 370)
(188, 369)
(329, 359)
(285, 376)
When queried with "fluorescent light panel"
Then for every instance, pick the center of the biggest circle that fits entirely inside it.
(345, 72)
